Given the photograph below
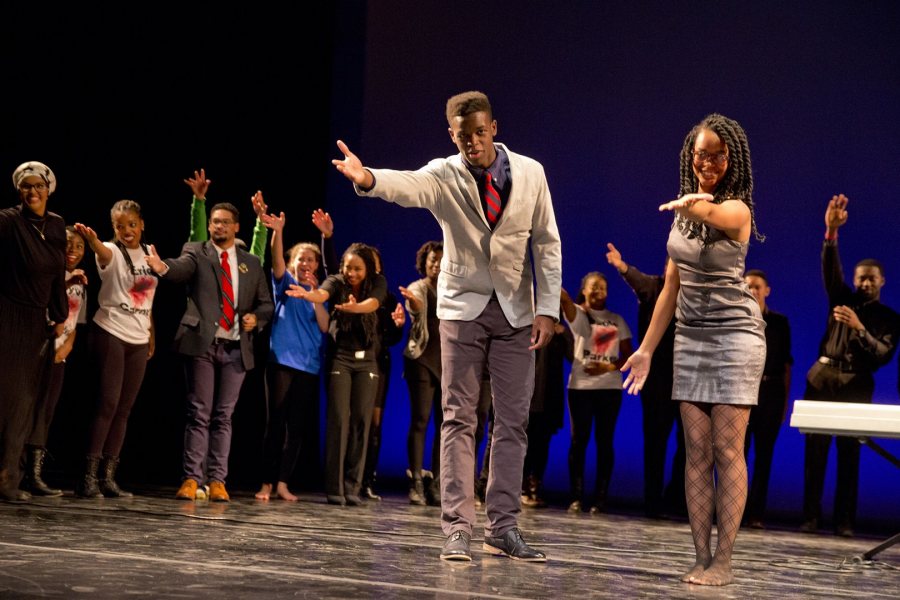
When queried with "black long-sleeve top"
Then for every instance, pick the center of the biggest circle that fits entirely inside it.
(865, 351)
(33, 261)
(647, 289)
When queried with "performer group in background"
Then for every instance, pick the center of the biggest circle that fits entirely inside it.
(490, 331)
(720, 345)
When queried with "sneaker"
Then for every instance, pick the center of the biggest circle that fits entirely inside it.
(512, 544)
(188, 490)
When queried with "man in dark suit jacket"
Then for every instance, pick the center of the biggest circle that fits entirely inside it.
(216, 334)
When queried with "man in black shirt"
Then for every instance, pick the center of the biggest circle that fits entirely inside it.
(861, 337)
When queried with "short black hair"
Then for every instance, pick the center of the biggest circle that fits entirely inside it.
(757, 273)
(465, 104)
(872, 262)
(229, 207)
(423, 252)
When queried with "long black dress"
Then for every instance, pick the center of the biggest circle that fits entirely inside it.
(32, 289)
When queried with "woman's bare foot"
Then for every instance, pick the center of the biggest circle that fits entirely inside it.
(284, 493)
(264, 492)
(695, 572)
(718, 573)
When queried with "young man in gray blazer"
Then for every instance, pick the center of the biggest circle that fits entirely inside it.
(217, 340)
(494, 208)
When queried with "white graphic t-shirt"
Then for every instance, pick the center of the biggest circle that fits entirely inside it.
(597, 341)
(126, 296)
(75, 295)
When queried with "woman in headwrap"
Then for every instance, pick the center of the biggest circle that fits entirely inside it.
(33, 309)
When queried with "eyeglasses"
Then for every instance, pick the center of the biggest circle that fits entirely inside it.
(225, 222)
(38, 187)
(717, 158)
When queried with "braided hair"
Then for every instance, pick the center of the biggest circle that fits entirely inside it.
(737, 183)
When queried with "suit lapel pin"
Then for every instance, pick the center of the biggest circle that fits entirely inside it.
(243, 268)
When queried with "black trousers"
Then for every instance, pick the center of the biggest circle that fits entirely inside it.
(352, 385)
(762, 431)
(825, 383)
(292, 424)
(587, 408)
(659, 414)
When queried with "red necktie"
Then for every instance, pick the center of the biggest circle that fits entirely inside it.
(227, 319)
(491, 199)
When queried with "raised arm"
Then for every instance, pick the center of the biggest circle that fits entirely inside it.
(104, 254)
(730, 216)
(258, 244)
(199, 185)
(323, 222)
(639, 362)
(276, 224)
(352, 168)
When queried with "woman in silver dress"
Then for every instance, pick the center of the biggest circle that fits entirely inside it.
(720, 345)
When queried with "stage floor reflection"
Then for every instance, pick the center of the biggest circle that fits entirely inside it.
(158, 547)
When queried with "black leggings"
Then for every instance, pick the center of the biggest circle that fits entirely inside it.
(425, 401)
(587, 407)
(293, 397)
(46, 406)
(121, 371)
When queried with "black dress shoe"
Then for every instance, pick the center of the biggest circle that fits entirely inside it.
(512, 545)
(456, 547)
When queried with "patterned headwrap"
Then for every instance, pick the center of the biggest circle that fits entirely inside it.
(34, 168)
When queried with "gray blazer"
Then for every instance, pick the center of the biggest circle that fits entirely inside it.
(198, 266)
(479, 262)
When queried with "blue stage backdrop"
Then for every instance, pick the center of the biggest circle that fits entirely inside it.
(603, 94)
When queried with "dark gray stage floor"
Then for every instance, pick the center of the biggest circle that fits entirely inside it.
(157, 547)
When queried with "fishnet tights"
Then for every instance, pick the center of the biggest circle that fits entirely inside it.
(714, 436)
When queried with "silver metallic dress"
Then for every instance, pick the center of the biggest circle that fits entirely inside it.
(720, 343)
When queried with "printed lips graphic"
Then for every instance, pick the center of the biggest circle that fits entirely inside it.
(603, 340)
(142, 291)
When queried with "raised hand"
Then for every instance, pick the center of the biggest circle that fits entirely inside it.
(155, 262)
(351, 167)
(614, 257)
(836, 213)
(399, 316)
(638, 366)
(685, 202)
(199, 184)
(415, 305)
(87, 233)
(322, 221)
(259, 205)
(274, 223)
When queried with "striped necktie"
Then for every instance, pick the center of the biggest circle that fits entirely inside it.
(491, 199)
(227, 320)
